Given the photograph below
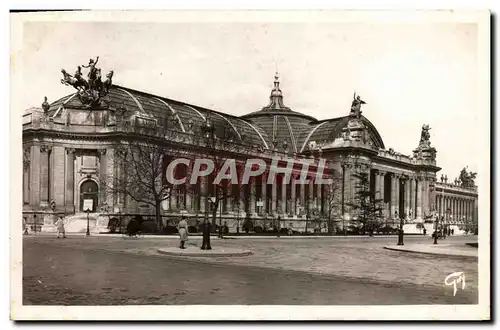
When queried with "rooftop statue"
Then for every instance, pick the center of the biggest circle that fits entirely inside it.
(89, 91)
(466, 179)
(45, 105)
(425, 137)
(356, 106)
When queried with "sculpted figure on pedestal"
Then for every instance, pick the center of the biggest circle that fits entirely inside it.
(91, 90)
(356, 106)
(425, 136)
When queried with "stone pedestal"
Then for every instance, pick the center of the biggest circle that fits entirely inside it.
(48, 223)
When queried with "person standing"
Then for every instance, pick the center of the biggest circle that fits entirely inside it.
(183, 232)
(25, 226)
(206, 228)
(60, 227)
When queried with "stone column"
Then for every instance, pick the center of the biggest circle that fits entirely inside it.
(35, 176)
(264, 195)
(70, 179)
(120, 178)
(347, 190)
(418, 191)
(252, 196)
(462, 209)
(26, 174)
(397, 195)
(273, 198)
(45, 151)
(189, 190)
(381, 190)
(311, 198)
(318, 198)
(423, 190)
(303, 196)
(293, 202)
(407, 197)
(284, 197)
(103, 166)
(110, 177)
(470, 217)
(413, 188)
(377, 185)
(394, 191)
(453, 207)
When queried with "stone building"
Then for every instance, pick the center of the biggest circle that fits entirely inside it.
(69, 151)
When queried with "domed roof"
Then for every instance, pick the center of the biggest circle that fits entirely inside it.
(172, 114)
(275, 126)
(282, 125)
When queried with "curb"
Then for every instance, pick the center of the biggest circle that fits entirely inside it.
(429, 253)
(181, 253)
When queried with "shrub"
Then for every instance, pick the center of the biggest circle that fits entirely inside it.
(170, 230)
(113, 225)
(149, 227)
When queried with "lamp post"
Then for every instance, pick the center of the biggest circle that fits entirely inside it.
(209, 136)
(436, 230)
(342, 197)
(401, 232)
(88, 223)
(220, 213)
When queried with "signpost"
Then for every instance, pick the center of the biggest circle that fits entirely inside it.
(88, 205)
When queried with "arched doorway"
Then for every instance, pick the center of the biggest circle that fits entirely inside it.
(89, 190)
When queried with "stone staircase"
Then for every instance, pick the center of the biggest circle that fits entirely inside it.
(75, 223)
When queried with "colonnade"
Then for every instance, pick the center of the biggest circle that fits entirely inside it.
(456, 209)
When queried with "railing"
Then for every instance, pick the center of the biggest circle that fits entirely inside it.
(453, 186)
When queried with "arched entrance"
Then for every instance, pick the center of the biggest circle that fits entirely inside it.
(89, 190)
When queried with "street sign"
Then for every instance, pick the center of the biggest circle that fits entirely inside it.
(260, 203)
(88, 204)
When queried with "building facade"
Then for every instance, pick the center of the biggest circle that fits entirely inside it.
(69, 157)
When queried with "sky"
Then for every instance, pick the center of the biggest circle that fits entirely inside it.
(409, 74)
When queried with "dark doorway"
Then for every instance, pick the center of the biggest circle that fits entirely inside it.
(89, 190)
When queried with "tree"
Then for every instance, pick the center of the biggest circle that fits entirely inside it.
(140, 173)
(365, 206)
(333, 200)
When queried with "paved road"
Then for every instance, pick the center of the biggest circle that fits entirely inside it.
(96, 271)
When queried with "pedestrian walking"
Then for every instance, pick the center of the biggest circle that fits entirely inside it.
(60, 227)
(453, 231)
(183, 232)
(25, 226)
(425, 231)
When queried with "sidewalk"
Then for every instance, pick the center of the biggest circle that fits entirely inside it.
(438, 249)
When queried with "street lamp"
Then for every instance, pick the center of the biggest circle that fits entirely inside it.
(435, 234)
(220, 213)
(88, 223)
(401, 225)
